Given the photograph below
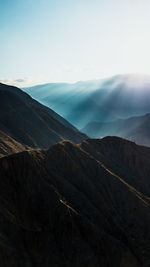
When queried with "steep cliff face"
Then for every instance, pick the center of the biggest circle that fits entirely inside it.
(26, 123)
(65, 206)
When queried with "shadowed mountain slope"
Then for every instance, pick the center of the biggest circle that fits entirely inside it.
(128, 160)
(121, 96)
(28, 123)
(135, 128)
(69, 206)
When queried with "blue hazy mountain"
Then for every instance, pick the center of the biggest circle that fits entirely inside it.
(135, 128)
(121, 96)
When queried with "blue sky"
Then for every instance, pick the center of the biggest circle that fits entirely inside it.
(71, 40)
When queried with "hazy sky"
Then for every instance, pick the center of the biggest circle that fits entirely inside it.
(70, 40)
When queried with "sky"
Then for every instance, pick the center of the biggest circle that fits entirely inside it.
(71, 40)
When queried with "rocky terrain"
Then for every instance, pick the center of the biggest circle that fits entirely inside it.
(76, 205)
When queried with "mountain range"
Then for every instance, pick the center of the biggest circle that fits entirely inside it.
(117, 97)
(67, 199)
(118, 106)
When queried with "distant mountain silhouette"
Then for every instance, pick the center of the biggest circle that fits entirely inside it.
(121, 96)
(76, 205)
(26, 123)
(135, 128)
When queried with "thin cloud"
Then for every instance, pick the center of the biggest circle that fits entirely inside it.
(20, 80)
(17, 82)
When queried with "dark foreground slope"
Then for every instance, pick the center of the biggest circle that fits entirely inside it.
(69, 206)
(26, 123)
(134, 128)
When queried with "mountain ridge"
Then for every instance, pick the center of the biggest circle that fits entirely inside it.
(29, 123)
(97, 208)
